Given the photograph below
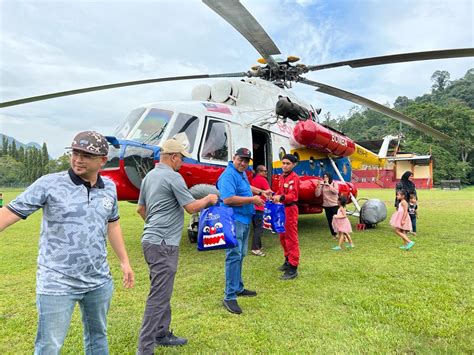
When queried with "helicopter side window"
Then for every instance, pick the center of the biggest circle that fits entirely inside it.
(151, 128)
(216, 144)
(187, 124)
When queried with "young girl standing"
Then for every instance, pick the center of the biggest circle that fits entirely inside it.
(342, 225)
(401, 222)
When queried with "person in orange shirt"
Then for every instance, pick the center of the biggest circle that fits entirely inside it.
(288, 190)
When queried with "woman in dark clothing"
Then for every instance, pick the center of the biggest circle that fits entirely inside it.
(330, 192)
(407, 185)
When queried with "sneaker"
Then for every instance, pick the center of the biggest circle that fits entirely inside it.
(232, 306)
(337, 248)
(170, 340)
(246, 293)
(289, 274)
(258, 253)
(403, 247)
(410, 245)
(285, 266)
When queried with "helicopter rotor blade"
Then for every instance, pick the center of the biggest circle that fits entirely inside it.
(242, 20)
(398, 58)
(117, 85)
(330, 90)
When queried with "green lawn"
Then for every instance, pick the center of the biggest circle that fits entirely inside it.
(373, 299)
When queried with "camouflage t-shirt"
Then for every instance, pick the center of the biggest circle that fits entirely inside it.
(73, 246)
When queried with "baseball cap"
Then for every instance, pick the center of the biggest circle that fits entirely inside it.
(243, 153)
(90, 142)
(172, 146)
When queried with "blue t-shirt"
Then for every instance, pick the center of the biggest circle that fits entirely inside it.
(234, 183)
(73, 242)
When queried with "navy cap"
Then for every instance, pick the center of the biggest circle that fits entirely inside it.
(290, 157)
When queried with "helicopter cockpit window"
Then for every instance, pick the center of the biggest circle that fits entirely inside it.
(216, 143)
(126, 126)
(187, 124)
(151, 128)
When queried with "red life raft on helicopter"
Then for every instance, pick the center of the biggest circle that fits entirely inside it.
(316, 136)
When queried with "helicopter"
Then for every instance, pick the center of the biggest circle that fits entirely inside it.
(253, 109)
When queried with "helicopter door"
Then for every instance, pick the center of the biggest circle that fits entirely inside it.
(215, 145)
(262, 149)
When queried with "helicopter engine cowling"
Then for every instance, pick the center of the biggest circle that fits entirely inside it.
(318, 137)
(288, 109)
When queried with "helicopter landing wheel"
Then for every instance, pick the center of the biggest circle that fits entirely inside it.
(192, 236)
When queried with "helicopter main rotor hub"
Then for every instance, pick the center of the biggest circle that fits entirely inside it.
(281, 75)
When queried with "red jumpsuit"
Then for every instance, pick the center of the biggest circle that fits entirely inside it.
(289, 187)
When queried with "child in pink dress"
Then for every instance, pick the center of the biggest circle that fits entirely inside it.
(342, 225)
(401, 221)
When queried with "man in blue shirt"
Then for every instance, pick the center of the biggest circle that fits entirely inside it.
(236, 192)
(79, 211)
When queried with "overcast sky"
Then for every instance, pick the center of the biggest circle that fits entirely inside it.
(48, 46)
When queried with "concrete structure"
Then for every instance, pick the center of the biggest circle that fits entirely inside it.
(387, 177)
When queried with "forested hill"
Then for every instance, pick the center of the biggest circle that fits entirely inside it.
(449, 108)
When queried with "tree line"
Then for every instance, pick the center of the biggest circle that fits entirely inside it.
(449, 108)
(20, 166)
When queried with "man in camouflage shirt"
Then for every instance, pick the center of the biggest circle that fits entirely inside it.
(79, 211)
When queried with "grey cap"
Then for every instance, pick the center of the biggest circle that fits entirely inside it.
(90, 142)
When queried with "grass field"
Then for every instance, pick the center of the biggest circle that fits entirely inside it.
(373, 299)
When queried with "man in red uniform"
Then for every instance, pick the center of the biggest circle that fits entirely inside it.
(288, 189)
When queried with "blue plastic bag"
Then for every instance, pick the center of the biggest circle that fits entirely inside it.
(216, 228)
(274, 217)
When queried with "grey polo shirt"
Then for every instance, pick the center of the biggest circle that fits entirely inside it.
(73, 242)
(164, 194)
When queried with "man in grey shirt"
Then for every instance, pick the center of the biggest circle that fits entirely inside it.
(163, 196)
(79, 211)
